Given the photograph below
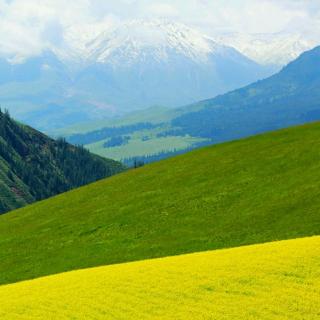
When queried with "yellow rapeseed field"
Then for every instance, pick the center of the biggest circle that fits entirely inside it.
(279, 280)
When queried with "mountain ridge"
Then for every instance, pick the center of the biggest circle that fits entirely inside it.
(287, 98)
(276, 49)
(290, 97)
(130, 68)
(139, 34)
(34, 167)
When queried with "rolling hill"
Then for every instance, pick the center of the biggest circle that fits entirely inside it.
(223, 284)
(34, 167)
(254, 190)
(288, 98)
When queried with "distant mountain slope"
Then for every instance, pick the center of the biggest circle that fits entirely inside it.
(252, 282)
(38, 92)
(144, 63)
(259, 189)
(276, 49)
(138, 65)
(35, 167)
(290, 97)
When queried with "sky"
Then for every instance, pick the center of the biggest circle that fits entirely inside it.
(29, 26)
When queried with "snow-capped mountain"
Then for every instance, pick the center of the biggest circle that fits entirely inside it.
(136, 65)
(132, 41)
(270, 49)
(143, 63)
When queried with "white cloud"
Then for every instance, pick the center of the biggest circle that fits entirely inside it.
(165, 10)
(28, 26)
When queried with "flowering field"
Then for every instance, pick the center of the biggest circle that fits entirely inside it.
(279, 280)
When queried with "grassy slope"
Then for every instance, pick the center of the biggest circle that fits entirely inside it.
(136, 147)
(250, 191)
(154, 115)
(279, 280)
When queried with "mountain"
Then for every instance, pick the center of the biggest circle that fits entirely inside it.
(38, 91)
(143, 63)
(287, 98)
(277, 49)
(253, 282)
(34, 167)
(259, 189)
(137, 65)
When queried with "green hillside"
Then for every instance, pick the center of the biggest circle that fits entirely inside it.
(34, 167)
(259, 189)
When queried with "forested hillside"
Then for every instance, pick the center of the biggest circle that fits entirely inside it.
(35, 167)
(288, 98)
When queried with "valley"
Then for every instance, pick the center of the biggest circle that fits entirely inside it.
(287, 98)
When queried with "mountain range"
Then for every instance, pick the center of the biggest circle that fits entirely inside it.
(275, 49)
(287, 98)
(137, 65)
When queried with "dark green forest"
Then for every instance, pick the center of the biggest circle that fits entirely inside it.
(109, 132)
(34, 167)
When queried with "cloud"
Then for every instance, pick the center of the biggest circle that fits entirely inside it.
(29, 26)
(165, 10)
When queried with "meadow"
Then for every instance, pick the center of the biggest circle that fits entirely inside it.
(255, 190)
(138, 147)
(142, 142)
(279, 280)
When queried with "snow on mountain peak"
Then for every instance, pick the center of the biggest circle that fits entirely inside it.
(156, 40)
(135, 39)
(269, 49)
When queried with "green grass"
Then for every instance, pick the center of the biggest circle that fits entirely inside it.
(154, 115)
(250, 191)
(136, 147)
